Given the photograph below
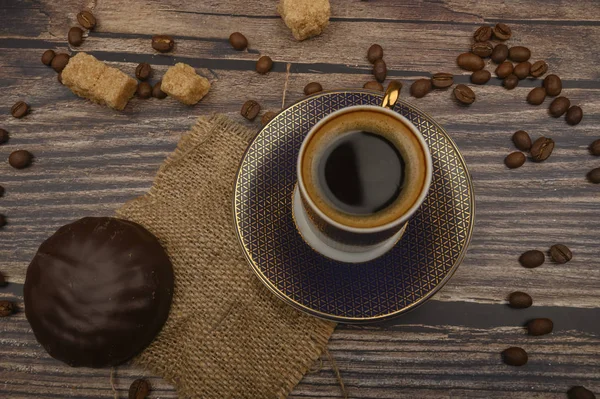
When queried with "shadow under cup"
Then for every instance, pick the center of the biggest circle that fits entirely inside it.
(332, 227)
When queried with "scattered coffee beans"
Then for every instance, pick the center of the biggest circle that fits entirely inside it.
(6, 308)
(514, 356)
(539, 68)
(157, 91)
(312, 88)
(20, 109)
(579, 392)
(20, 159)
(500, 53)
(139, 389)
(511, 81)
(519, 53)
(504, 69)
(470, 62)
(266, 118)
(515, 160)
(2, 220)
(483, 34)
(502, 31)
(3, 282)
(59, 77)
(442, 80)
(144, 90)
(594, 147)
(238, 41)
(482, 49)
(59, 62)
(559, 106)
(531, 259)
(553, 85)
(420, 88)
(522, 69)
(250, 110)
(4, 136)
(519, 300)
(464, 94)
(594, 176)
(380, 70)
(86, 19)
(143, 71)
(541, 149)
(537, 327)
(481, 77)
(574, 115)
(522, 140)
(375, 53)
(373, 85)
(560, 253)
(75, 36)
(536, 96)
(47, 57)
(264, 64)
(163, 43)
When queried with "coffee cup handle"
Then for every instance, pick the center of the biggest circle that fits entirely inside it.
(392, 94)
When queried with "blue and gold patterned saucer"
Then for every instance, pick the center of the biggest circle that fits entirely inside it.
(424, 259)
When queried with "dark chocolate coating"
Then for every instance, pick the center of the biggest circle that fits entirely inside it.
(98, 291)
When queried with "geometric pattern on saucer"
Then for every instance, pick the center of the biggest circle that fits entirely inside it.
(429, 252)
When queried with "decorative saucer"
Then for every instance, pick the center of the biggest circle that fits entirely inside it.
(423, 260)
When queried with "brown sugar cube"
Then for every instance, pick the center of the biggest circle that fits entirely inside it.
(306, 18)
(82, 73)
(183, 83)
(115, 88)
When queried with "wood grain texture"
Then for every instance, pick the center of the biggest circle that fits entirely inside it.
(90, 160)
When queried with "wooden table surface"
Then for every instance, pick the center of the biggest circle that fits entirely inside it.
(90, 159)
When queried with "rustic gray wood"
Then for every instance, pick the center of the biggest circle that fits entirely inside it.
(90, 160)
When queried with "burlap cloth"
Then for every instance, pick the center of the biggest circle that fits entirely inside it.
(227, 336)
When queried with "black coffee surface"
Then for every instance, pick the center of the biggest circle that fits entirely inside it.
(361, 173)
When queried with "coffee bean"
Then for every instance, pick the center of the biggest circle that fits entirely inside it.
(380, 70)
(238, 41)
(2, 220)
(511, 81)
(4, 136)
(483, 34)
(86, 19)
(139, 389)
(579, 392)
(522, 140)
(519, 53)
(59, 62)
(3, 282)
(75, 36)
(536, 96)
(482, 49)
(373, 85)
(594, 176)
(375, 53)
(522, 69)
(464, 94)
(519, 300)
(515, 160)
(157, 91)
(500, 53)
(559, 106)
(250, 110)
(20, 159)
(531, 259)
(144, 90)
(6, 308)
(312, 88)
(442, 80)
(574, 115)
(481, 77)
(20, 109)
(420, 88)
(553, 85)
(594, 147)
(560, 253)
(163, 43)
(539, 68)
(541, 149)
(470, 62)
(264, 64)
(143, 71)
(514, 356)
(266, 118)
(47, 57)
(542, 326)
(502, 31)
(59, 77)
(504, 69)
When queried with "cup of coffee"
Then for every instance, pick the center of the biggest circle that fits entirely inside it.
(363, 171)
